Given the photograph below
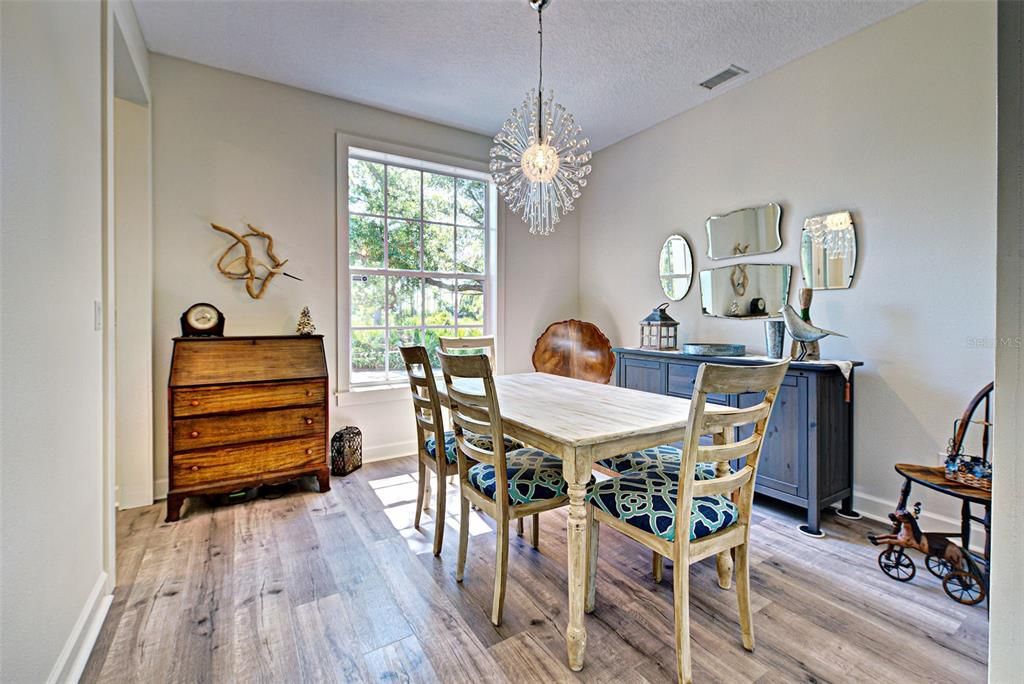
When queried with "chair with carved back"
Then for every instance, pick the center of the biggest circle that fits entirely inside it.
(430, 433)
(505, 484)
(650, 506)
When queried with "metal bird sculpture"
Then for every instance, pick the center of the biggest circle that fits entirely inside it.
(802, 331)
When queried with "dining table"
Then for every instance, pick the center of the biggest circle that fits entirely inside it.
(582, 422)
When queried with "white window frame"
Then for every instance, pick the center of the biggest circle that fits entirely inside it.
(423, 160)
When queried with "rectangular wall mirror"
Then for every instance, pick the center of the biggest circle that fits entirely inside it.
(745, 290)
(828, 251)
(744, 232)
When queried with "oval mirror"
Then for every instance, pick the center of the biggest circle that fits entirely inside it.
(676, 267)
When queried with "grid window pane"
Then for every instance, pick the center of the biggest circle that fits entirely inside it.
(367, 301)
(405, 301)
(469, 250)
(438, 198)
(368, 356)
(403, 192)
(365, 242)
(471, 302)
(471, 200)
(432, 224)
(438, 248)
(439, 298)
(432, 341)
(404, 245)
(365, 187)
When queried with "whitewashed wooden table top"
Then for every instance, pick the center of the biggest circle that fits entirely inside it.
(580, 413)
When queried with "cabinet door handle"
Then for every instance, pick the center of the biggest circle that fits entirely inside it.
(309, 421)
(195, 402)
(195, 433)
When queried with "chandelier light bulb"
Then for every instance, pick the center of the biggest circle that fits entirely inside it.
(540, 163)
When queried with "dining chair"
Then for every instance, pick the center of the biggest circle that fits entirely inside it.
(429, 433)
(650, 506)
(485, 344)
(504, 484)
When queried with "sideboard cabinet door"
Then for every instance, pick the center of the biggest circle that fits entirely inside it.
(642, 374)
(783, 466)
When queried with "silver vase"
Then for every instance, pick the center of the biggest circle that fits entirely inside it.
(774, 337)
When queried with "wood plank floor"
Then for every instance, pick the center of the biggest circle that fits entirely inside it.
(340, 587)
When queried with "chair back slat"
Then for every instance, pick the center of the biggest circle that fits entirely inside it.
(734, 417)
(719, 379)
(482, 343)
(723, 453)
(724, 484)
(478, 413)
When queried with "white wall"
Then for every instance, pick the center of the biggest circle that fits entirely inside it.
(50, 269)
(895, 123)
(235, 149)
(133, 258)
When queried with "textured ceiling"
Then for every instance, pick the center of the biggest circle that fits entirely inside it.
(621, 66)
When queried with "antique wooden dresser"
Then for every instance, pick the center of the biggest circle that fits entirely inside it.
(244, 411)
(807, 458)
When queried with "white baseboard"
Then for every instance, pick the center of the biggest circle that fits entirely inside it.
(160, 489)
(876, 508)
(383, 452)
(75, 654)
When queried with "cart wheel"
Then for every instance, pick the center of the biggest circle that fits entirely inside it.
(897, 564)
(963, 587)
(939, 567)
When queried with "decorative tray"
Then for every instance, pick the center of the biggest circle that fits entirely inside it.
(714, 349)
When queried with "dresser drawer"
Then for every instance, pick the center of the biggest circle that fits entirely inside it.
(225, 464)
(199, 401)
(197, 433)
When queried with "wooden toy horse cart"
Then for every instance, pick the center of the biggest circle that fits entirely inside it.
(964, 573)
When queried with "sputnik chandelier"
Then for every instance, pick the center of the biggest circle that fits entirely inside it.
(539, 161)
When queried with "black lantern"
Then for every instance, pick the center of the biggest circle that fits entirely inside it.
(659, 330)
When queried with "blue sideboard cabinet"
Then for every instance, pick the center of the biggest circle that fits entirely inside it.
(807, 458)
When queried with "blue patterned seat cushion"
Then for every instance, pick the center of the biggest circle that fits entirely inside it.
(450, 445)
(665, 459)
(648, 501)
(533, 475)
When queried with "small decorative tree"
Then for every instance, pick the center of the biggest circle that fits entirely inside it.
(305, 326)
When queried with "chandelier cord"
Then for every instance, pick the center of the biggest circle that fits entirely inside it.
(540, 75)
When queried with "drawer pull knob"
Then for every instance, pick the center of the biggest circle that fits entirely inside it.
(195, 433)
(309, 451)
(195, 468)
(309, 393)
(195, 402)
(309, 421)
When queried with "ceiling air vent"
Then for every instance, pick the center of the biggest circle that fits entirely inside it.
(726, 75)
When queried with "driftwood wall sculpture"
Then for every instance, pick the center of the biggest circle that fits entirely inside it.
(246, 266)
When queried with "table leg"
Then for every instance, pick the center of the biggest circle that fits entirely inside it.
(576, 469)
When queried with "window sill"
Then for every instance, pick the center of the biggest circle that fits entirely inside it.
(373, 394)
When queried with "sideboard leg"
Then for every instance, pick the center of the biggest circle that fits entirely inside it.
(174, 502)
(813, 526)
(846, 509)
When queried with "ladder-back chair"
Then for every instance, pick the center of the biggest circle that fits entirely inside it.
(650, 506)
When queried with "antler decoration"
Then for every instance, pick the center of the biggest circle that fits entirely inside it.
(249, 264)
